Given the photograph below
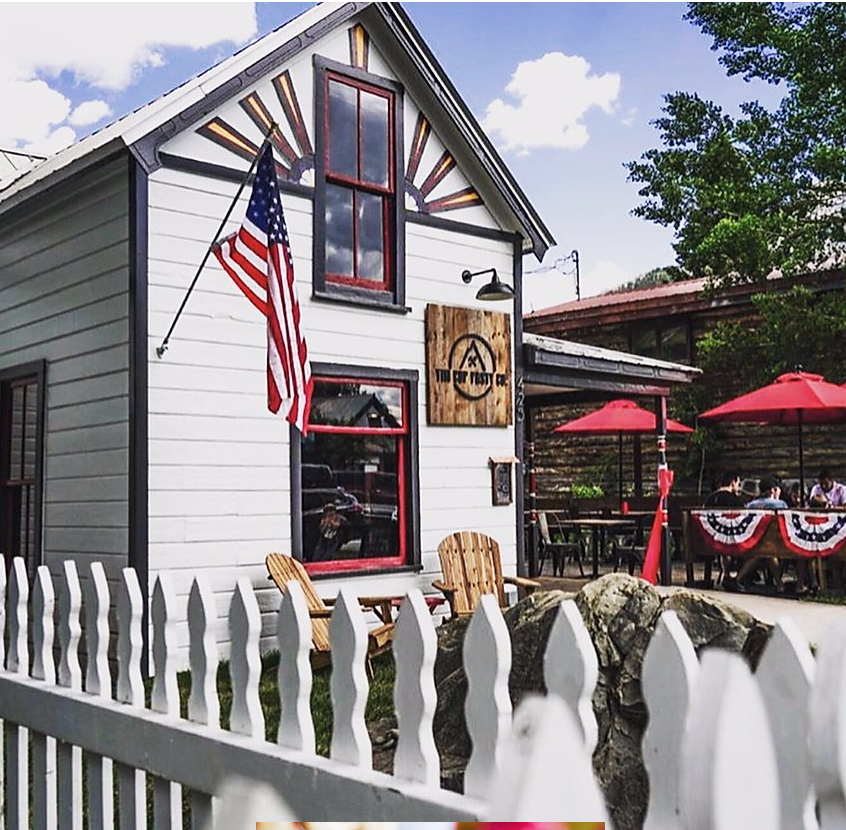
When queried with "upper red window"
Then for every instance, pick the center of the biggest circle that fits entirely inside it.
(360, 182)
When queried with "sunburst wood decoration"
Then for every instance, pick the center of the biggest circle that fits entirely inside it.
(359, 47)
(467, 197)
(296, 162)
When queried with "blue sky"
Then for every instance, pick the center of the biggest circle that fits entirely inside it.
(591, 118)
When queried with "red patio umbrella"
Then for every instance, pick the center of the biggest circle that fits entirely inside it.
(619, 416)
(794, 399)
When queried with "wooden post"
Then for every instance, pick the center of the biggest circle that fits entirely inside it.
(665, 569)
(638, 466)
(531, 483)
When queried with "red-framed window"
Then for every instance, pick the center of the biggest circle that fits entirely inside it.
(20, 438)
(360, 182)
(354, 475)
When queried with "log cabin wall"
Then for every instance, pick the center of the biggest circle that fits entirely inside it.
(564, 461)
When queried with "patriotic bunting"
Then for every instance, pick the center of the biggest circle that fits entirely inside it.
(813, 534)
(732, 532)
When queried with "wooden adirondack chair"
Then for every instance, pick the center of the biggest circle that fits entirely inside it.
(471, 566)
(283, 569)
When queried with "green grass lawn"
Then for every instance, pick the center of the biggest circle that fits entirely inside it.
(380, 701)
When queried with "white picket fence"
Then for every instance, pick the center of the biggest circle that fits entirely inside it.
(723, 749)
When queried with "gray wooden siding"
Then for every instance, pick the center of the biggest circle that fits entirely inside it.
(64, 277)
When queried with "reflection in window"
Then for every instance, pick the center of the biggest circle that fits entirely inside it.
(353, 475)
(644, 341)
(359, 182)
(19, 429)
(674, 345)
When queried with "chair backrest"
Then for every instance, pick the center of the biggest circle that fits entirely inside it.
(471, 564)
(543, 526)
(283, 569)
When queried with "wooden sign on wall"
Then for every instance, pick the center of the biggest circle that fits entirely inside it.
(468, 366)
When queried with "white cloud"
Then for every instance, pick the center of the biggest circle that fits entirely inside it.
(629, 118)
(104, 45)
(89, 112)
(52, 143)
(30, 109)
(552, 94)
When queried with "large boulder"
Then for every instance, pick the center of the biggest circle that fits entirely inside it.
(620, 613)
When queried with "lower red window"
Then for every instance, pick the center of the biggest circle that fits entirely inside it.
(354, 472)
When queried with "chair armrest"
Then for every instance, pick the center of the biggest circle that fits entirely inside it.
(529, 584)
(368, 601)
(443, 587)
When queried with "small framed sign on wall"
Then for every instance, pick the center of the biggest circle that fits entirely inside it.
(501, 480)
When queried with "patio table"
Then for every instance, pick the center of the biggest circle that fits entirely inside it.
(599, 530)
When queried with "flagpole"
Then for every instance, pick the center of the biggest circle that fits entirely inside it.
(160, 350)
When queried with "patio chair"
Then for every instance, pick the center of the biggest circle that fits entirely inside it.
(560, 549)
(283, 569)
(471, 567)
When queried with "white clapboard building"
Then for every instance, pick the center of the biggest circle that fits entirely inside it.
(390, 190)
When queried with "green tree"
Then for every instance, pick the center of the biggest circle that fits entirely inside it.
(766, 189)
(799, 327)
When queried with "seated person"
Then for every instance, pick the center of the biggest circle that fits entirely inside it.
(827, 492)
(793, 495)
(728, 492)
(769, 496)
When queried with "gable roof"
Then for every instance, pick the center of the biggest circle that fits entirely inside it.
(143, 130)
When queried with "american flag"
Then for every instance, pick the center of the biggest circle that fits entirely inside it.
(253, 256)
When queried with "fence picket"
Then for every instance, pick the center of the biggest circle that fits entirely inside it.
(43, 668)
(68, 757)
(828, 736)
(203, 657)
(487, 663)
(570, 668)
(98, 682)
(293, 632)
(415, 698)
(785, 675)
(348, 685)
(728, 764)
(245, 662)
(667, 677)
(546, 771)
(17, 737)
(167, 796)
(132, 791)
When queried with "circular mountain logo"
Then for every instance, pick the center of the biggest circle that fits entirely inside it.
(472, 365)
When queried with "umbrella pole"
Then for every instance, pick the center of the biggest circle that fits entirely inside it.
(620, 467)
(801, 461)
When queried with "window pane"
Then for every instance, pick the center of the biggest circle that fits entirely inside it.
(371, 240)
(16, 432)
(643, 342)
(343, 129)
(374, 137)
(24, 523)
(339, 230)
(31, 431)
(352, 404)
(674, 344)
(357, 516)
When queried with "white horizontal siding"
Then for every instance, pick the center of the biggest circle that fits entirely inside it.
(64, 277)
(219, 480)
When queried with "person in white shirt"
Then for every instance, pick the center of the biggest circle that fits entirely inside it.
(827, 492)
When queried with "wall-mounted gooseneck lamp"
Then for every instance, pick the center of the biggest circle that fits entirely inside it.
(494, 290)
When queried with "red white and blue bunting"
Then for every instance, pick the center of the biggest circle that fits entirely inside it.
(732, 531)
(813, 534)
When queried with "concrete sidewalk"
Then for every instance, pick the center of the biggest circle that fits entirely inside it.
(812, 618)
